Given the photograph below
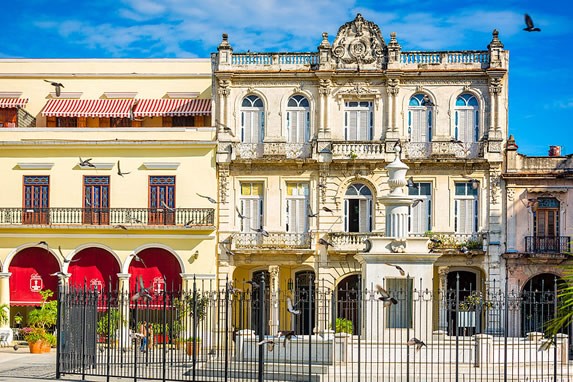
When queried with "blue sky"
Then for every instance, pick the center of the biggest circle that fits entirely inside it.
(541, 79)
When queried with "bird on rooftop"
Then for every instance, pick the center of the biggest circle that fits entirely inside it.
(56, 85)
(385, 296)
(529, 27)
(416, 342)
(208, 198)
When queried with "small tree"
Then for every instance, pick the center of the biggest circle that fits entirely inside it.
(4, 312)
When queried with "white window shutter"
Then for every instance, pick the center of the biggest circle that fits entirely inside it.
(363, 126)
(364, 215)
(246, 128)
(352, 128)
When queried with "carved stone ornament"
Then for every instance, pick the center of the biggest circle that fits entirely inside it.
(495, 184)
(358, 42)
(510, 193)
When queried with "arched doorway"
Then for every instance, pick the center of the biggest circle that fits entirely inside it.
(256, 323)
(159, 269)
(538, 302)
(31, 270)
(95, 268)
(304, 300)
(462, 315)
(347, 295)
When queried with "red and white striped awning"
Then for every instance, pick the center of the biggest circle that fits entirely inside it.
(13, 102)
(165, 107)
(97, 108)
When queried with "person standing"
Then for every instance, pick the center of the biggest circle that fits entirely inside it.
(143, 333)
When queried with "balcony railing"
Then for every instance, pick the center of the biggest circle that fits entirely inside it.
(547, 244)
(286, 240)
(188, 217)
(419, 150)
(273, 149)
(358, 150)
(351, 241)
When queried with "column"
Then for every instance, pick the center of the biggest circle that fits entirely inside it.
(123, 305)
(5, 300)
(274, 316)
(443, 318)
(393, 90)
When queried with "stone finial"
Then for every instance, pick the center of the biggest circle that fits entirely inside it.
(224, 42)
(511, 145)
(495, 42)
(324, 43)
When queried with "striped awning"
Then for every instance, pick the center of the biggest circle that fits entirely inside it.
(172, 107)
(13, 102)
(97, 108)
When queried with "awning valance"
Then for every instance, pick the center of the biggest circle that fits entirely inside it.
(13, 102)
(171, 107)
(97, 108)
(31, 271)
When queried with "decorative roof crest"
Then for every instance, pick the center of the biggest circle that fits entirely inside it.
(358, 42)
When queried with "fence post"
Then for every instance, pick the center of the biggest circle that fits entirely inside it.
(59, 326)
(261, 327)
(226, 374)
(310, 326)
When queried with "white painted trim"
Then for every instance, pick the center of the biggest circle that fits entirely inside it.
(183, 94)
(115, 95)
(161, 165)
(36, 166)
(66, 95)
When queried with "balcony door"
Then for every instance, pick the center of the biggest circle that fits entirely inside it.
(547, 225)
(419, 120)
(252, 120)
(358, 121)
(162, 200)
(466, 118)
(36, 200)
(96, 200)
(358, 208)
(298, 120)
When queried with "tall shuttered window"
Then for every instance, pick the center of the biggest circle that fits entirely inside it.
(466, 118)
(298, 120)
(251, 206)
(466, 208)
(358, 121)
(420, 219)
(296, 207)
(419, 119)
(252, 120)
(358, 208)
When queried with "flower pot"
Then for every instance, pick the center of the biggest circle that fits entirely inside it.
(36, 347)
(46, 347)
(192, 347)
(161, 338)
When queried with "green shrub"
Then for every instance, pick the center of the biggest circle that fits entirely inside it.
(344, 325)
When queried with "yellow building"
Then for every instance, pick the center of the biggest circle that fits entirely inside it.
(106, 168)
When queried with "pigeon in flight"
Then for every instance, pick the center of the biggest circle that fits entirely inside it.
(120, 226)
(254, 284)
(164, 205)
(412, 184)
(121, 173)
(43, 243)
(325, 242)
(261, 230)
(58, 274)
(56, 85)
(270, 344)
(426, 101)
(399, 268)
(326, 209)
(290, 307)
(143, 292)
(86, 163)
(385, 296)
(287, 334)
(66, 260)
(416, 342)
(310, 214)
(15, 347)
(240, 215)
(208, 198)
(546, 344)
(416, 202)
(232, 290)
(529, 24)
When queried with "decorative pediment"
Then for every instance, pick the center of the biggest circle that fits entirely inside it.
(359, 44)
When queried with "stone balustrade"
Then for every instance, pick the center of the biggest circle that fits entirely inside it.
(285, 240)
(358, 150)
(351, 241)
(421, 150)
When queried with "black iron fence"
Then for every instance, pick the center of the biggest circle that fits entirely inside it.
(315, 333)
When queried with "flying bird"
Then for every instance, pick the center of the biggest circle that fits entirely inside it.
(416, 202)
(86, 163)
(194, 257)
(426, 101)
(232, 290)
(208, 198)
(385, 296)
(310, 214)
(399, 268)
(270, 344)
(164, 205)
(56, 85)
(326, 209)
(120, 226)
(137, 258)
(226, 128)
(325, 242)
(287, 334)
(66, 260)
(240, 215)
(290, 307)
(188, 224)
(43, 243)
(15, 347)
(143, 292)
(121, 173)
(546, 344)
(411, 183)
(261, 230)
(416, 342)
(529, 24)
(58, 274)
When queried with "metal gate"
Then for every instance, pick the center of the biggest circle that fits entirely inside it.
(209, 333)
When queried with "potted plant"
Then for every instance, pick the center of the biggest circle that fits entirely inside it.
(108, 325)
(4, 312)
(160, 336)
(190, 310)
(343, 325)
(39, 321)
(192, 346)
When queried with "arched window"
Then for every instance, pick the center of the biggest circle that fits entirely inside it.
(420, 114)
(358, 208)
(252, 120)
(298, 120)
(466, 118)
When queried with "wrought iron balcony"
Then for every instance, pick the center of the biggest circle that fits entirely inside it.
(188, 217)
(275, 240)
(547, 244)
